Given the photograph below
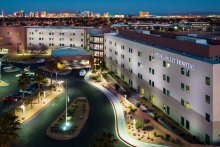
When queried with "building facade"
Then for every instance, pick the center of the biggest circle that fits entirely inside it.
(184, 85)
(57, 37)
(13, 39)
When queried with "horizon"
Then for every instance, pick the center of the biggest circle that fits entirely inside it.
(158, 7)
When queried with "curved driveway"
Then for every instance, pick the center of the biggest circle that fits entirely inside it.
(120, 120)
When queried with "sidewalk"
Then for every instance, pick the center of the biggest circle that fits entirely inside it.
(119, 116)
(30, 112)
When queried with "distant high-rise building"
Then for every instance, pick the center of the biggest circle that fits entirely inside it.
(19, 14)
(143, 14)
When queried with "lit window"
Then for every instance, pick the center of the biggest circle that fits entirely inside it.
(187, 89)
(187, 105)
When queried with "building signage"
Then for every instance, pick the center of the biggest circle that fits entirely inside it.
(175, 60)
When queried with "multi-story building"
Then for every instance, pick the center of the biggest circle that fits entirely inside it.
(179, 75)
(13, 39)
(96, 43)
(57, 37)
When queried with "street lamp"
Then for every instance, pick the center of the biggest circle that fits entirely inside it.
(56, 78)
(23, 111)
(0, 71)
(125, 96)
(67, 100)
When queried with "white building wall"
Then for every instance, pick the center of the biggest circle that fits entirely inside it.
(71, 37)
(196, 115)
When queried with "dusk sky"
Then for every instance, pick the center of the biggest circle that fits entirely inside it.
(113, 6)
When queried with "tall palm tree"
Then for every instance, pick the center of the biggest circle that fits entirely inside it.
(23, 81)
(105, 139)
(9, 125)
(51, 66)
(39, 78)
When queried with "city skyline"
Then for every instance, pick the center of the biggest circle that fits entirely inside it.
(154, 7)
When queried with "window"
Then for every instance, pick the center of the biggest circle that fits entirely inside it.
(139, 54)
(122, 65)
(129, 60)
(207, 80)
(182, 102)
(139, 76)
(187, 73)
(130, 82)
(166, 78)
(166, 64)
(130, 50)
(182, 71)
(153, 71)
(207, 117)
(151, 58)
(116, 53)
(207, 139)
(122, 47)
(187, 125)
(207, 99)
(140, 65)
(187, 105)
(122, 56)
(166, 92)
(187, 89)
(151, 83)
(182, 87)
(168, 110)
(182, 121)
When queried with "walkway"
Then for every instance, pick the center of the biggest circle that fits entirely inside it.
(119, 117)
(30, 112)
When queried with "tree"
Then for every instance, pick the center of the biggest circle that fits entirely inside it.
(105, 139)
(23, 81)
(43, 48)
(39, 78)
(9, 126)
(51, 66)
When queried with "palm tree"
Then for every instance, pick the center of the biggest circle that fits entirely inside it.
(51, 66)
(105, 139)
(9, 125)
(39, 78)
(23, 81)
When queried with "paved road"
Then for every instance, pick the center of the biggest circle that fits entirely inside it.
(33, 133)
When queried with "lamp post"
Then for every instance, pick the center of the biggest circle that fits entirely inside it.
(23, 111)
(56, 78)
(0, 71)
(67, 100)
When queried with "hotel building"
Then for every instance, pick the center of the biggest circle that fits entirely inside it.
(179, 74)
(57, 37)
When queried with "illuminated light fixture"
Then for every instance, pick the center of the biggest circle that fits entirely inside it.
(168, 65)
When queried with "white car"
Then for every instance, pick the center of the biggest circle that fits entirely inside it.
(40, 60)
(82, 72)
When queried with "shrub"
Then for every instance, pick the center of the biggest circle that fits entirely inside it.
(138, 124)
(138, 105)
(98, 79)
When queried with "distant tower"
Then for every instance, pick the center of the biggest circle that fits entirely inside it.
(2, 13)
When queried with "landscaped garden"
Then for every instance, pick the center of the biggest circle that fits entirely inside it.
(69, 125)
